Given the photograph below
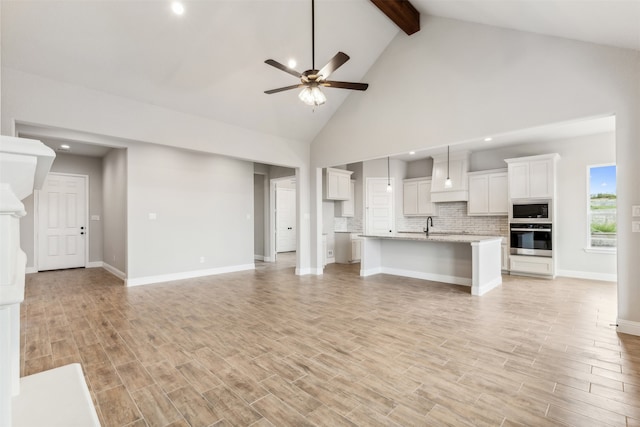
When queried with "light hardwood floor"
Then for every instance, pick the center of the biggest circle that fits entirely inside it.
(266, 348)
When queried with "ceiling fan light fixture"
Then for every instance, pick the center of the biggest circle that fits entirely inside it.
(313, 96)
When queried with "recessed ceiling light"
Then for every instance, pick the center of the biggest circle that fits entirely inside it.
(65, 146)
(487, 139)
(177, 8)
(411, 153)
(292, 63)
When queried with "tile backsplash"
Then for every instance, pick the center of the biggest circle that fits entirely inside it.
(452, 217)
(348, 224)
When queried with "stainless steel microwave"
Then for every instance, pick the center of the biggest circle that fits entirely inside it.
(531, 211)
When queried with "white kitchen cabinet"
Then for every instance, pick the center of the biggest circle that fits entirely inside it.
(356, 249)
(488, 193)
(347, 208)
(532, 177)
(542, 266)
(416, 197)
(505, 257)
(458, 166)
(348, 248)
(337, 184)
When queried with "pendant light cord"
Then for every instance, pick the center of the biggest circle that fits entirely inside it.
(388, 172)
(313, 35)
(447, 162)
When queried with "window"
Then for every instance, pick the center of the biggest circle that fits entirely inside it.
(602, 217)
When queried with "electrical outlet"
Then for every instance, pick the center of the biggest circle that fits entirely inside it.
(330, 253)
(635, 226)
(201, 260)
(635, 210)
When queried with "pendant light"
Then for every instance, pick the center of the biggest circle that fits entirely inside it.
(389, 188)
(448, 183)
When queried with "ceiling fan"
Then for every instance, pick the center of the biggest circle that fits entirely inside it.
(311, 80)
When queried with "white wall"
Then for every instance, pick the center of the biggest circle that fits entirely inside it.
(204, 208)
(259, 213)
(114, 218)
(81, 165)
(477, 80)
(36, 100)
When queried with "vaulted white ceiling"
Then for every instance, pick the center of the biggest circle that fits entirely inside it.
(210, 61)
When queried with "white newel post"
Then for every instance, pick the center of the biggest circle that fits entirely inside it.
(58, 396)
(24, 165)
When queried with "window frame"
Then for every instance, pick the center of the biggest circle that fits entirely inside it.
(588, 247)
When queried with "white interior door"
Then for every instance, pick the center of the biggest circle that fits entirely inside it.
(285, 219)
(379, 207)
(62, 229)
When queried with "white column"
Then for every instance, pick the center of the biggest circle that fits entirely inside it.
(24, 164)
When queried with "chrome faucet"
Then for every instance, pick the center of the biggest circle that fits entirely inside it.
(426, 230)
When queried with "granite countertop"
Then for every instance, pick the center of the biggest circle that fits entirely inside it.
(435, 237)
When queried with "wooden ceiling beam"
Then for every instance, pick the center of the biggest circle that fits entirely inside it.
(402, 13)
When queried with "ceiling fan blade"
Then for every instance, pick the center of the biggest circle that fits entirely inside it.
(336, 62)
(282, 89)
(284, 68)
(345, 85)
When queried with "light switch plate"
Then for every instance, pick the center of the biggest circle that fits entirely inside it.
(153, 215)
(95, 217)
(635, 210)
(635, 226)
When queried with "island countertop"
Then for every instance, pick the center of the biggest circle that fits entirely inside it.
(434, 237)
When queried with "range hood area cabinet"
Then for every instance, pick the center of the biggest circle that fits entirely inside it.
(337, 184)
(458, 168)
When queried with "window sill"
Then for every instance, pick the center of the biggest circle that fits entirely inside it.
(591, 250)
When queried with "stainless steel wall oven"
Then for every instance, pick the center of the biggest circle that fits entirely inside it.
(531, 239)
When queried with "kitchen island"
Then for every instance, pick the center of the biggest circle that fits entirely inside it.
(459, 259)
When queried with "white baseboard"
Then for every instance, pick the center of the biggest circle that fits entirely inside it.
(331, 260)
(259, 257)
(628, 327)
(589, 276)
(465, 281)
(94, 264)
(305, 271)
(488, 286)
(268, 259)
(187, 275)
(111, 269)
(30, 270)
(370, 272)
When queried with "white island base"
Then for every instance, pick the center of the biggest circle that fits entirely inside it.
(467, 260)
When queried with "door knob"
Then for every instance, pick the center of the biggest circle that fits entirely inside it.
(81, 228)
(82, 232)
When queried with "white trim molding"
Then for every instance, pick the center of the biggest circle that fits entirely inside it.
(94, 264)
(111, 269)
(30, 270)
(605, 277)
(187, 275)
(628, 327)
(258, 257)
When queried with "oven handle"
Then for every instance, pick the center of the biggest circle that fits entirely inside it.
(530, 229)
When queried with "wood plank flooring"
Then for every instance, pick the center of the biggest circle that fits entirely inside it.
(268, 348)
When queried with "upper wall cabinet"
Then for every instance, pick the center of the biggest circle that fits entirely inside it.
(532, 177)
(488, 193)
(337, 184)
(347, 208)
(416, 197)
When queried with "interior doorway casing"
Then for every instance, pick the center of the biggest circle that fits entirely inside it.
(272, 213)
